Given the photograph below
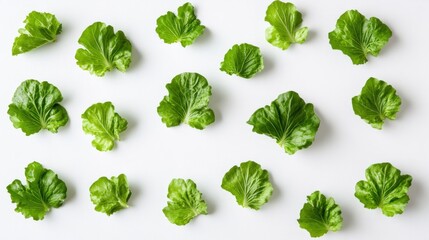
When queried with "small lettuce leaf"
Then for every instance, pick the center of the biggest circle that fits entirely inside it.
(289, 120)
(186, 202)
(249, 183)
(357, 37)
(105, 124)
(44, 190)
(104, 50)
(188, 100)
(35, 106)
(244, 60)
(184, 28)
(384, 188)
(377, 101)
(40, 29)
(320, 215)
(285, 23)
(110, 195)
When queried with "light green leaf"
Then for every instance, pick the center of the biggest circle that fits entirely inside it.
(384, 188)
(357, 37)
(44, 190)
(110, 195)
(184, 28)
(320, 215)
(244, 60)
(104, 50)
(40, 29)
(104, 123)
(249, 183)
(285, 23)
(377, 101)
(289, 120)
(35, 106)
(186, 202)
(187, 102)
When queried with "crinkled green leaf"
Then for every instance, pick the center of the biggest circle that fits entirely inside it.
(44, 190)
(183, 28)
(244, 60)
(35, 106)
(384, 188)
(110, 195)
(249, 183)
(104, 50)
(187, 101)
(377, 101)
(186, 202)
(320, 215)
(104, 123)
(357, 37)
(285, 23)
(40, 29)
(289, 120)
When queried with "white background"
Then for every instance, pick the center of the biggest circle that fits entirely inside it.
(151, 154)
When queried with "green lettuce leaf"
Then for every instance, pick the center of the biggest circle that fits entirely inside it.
(186, 202)
(184, 28)
(289, 120)
(110, 195)
(104, 50)
(285, 23)
(384, 188)
(249, 183)
(357, 36)
(244, 60)
(40, 29)
(35, 106)
(187, 102)
(320, 215)
(44, 190)
(377, 101)
(104, 123)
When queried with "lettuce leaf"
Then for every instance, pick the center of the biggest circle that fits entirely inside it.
(40, 29)
(104, 50)
(35, 106)
(244, 60)
(289, 120)
(384, 188)
(357, 37)
(183, 28)
(44, 190)
(187, 102)
(105, 124)
(249, 183)
(186, 202)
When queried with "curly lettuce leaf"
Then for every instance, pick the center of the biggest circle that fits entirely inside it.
(187, 102)
(384, 188)
(320, 215)
(285, 23)
(35, 106)
(244, 60)
(289, 120)
(183, 28)
(104, 50)
(377, 101)
(40, 29)
(104, 123)
(110, 195)
(186, 202)
(249, 183)
(44, 190)
(357, 37)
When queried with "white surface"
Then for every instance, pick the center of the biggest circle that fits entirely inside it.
(151, 154)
